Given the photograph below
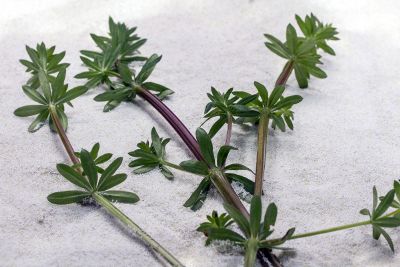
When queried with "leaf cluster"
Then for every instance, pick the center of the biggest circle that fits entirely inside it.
(275, 106)
(91, 183)
(112, 65)
(215, 221)
(379, 207)
(256, 231)
(301, 52)
(98, 159)
(211, 164)
(225, 106)
(49, 92)
(151, 155)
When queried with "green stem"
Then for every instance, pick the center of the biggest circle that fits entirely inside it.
(285, 74)
(251, 252)
(63, 136)
(337, 228)
(113, 210)
(261, 150)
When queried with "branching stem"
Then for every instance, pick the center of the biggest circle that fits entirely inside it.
(113, 210)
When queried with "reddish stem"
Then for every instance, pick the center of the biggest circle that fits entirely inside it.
(285, 74)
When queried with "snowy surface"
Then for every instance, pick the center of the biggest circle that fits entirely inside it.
(345, 139)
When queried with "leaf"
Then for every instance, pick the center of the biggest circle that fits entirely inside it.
(238, 217)
(194, 166)
(147, 68)
(67, 197)
(89, 167)
(387, 222)
(255, 215)
(34, 95)
(72, 94)
(29, 110)
(45, 86)
(39, 121)
(120, 196)
(277, 46)
(166, 172)
(196, 199)
(237, 166)
(125, 73)
(300, 76)
(223, 153)
(206, 146)
(225, 234)
(248, 185)
(73, 176)
(383, 205)
(108, 172)
(113, 181)
(217, 126)
(385, 235)
(365, 212)
(275, 95)
(270, 216)
(262, 91)
(291, 38)
(396, 186)
(163, 91)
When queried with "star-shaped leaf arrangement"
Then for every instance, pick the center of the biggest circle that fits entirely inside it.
(255, 231)
(377, 215)
(43, 59)
(98, 159)
(226, 107)
(120, 46)
(209, 166)
(90, 182)
(300, 53)
(215, 221)
(275, 106)
(50, 96)
(151, 155)
(319, 32)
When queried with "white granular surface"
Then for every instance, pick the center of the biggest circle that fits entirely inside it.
(346, 136)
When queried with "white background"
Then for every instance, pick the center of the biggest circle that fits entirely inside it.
(346, 136)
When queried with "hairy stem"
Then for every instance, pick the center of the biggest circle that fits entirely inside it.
(285, 74)
(113, 210)
(63, 136)
(228, 130)
(261, 150)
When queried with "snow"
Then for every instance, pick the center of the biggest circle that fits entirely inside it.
(320, 175)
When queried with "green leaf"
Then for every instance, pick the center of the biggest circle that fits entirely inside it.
(196, 199)
(300, 76)
(248, 185)
(39, 121)
(222, 155)
(262, 91)
(216, 127)
(106, 176)
(29, 110)
(44, 84)
(387, 222)
(194, 166)
(385, 235)
(396, 186)
(94, 152)
(206, 146)
(67, 197)
(384, 205)
(166, 172)
(125, 73)
(34, 95)
(89, 167)
(255, 215)
(120, 196)
(270, 216)
(238, 217)
(237, 167)
(161, 89)
(73, 176)
(113, 181)
(225, 234)
(147, 68)
(276, 95)
(72, 94)
(291, 38)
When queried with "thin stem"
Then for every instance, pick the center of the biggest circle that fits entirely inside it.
(228, 130)
(220, 182)
(113, 210)
(285, 74)
(63, 136)
(338, 228)
(261, 150)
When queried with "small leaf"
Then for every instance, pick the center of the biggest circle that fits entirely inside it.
(121, 196)
(67, 197)
(255, 215)
(29, 110)
(89, 167)
(222, 155)
(206, 146)
(108, 172)
(262, 91)
(125, 73)
(194, 166)
(197, 198)
(148, 68)
(385, 235)
(238, 217)
(73, 176)
(383, 205)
